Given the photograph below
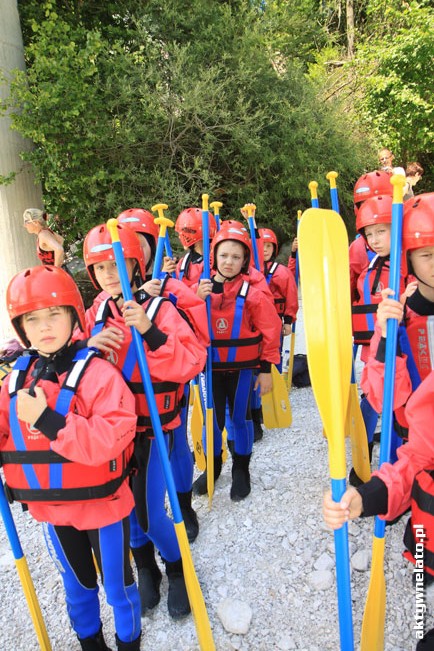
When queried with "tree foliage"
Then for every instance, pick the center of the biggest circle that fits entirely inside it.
(132, 103)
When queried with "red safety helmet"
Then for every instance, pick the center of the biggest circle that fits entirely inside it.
(418, 225)
(38, 288)
(189, 226)
(371, 185)
(141, 221)
(98, 247)
(232, 230)
(267, 235)
(377, 210)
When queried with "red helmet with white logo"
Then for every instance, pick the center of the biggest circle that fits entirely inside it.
(189, 226)
(371, 185)
(267, 235)
(377, 210)
(418, 224)
(141, 221)
(38, 288)
(232, 230)
(98, 247)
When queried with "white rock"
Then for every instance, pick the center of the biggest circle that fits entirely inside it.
(286, 642)
(324, 562)
(235, 615)
(321, 579)
(360, 560)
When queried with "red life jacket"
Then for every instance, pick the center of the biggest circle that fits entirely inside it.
(189, 271)
(371, 283)
(420, 332)
(279, 301)
(168, 395)
(234, 343)
(46, 257)
(420, 527)
(33, 472)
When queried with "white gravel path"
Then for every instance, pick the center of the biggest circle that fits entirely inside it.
(271, 552)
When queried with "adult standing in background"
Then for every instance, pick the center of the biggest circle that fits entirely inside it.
(49, 245)
(385, 158)
(413, 174)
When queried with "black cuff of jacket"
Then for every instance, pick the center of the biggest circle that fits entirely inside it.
(154, 337)
(49, 423)
(374, 496)
(381, 350)
(287, 320)
(293, 254)
(81, 343)
(265, 367)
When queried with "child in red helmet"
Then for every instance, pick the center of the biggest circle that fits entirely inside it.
(189, 228)
(193, 310)
(75, 412)
(280, 281)
(245, 336)
(174, 356)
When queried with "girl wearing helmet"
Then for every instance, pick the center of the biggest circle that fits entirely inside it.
(49, 245)
(193, 310)
(83, 438)
(372, 184)
(189, 228)
(245, 336)
(174, 356)
(408, 482)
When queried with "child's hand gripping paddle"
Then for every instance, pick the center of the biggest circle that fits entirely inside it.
(375, 607)
(194, 592)
(163, 237)
(324, 267)
(23, 572)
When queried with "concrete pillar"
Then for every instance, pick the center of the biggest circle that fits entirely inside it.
(17, 247)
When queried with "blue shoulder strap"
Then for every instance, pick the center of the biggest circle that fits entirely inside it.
(413, 371)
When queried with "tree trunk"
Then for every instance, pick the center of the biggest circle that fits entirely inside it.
(18, 247)
(350, 26)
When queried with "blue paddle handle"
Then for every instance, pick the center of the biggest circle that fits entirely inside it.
(147, 385)
(168, 246)
(158, 257)
(334, 199)
(254, 244)
(314, 203)
(217, 221)
(9, 523)
(343, 578)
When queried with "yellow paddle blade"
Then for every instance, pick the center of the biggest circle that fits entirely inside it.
(32, 603)
(224, 445)
(358, 437)
(195, 596)
(276, 409)
(196, 426)
(324, 267)
(374, 617)
(210, 453)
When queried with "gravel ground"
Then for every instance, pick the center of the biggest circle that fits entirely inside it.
(269, 557)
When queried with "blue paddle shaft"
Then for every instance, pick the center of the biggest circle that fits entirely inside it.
(161, 242)
(334, 199)
(314, 203)
(207, 274)
(254, 244)
(168, 246)
(147, 385)
(343, 578)
(9, 523)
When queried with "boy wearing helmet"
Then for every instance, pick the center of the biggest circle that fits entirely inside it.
(174, 356)
(245, 336)
(193, 310)
(74, 413)
(409, 481)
